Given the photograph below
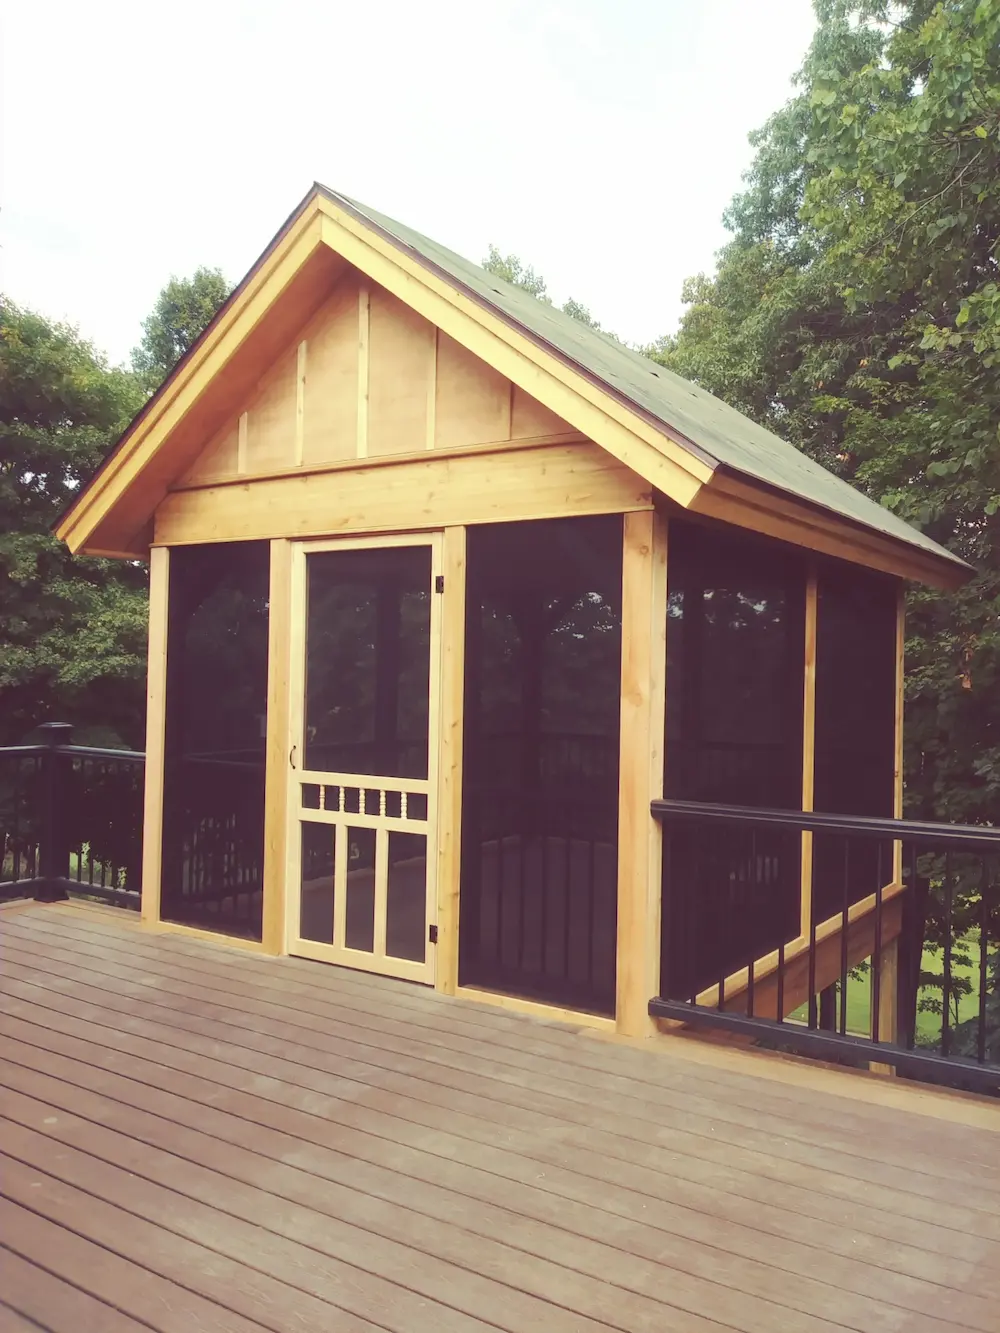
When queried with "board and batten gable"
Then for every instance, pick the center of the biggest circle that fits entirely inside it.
(372, 418)
(369, 378)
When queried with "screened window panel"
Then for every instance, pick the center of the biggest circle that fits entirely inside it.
(540, 778)
(855, 728)
(734, 709)
(215, 735)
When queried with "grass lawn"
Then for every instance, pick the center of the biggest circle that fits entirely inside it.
(928, 1024)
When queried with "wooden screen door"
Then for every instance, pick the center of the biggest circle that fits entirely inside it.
(363, 753)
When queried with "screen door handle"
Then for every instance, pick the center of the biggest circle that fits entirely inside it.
(291, 755)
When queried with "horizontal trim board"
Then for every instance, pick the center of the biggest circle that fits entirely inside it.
(426, 492)
(383, 460)
(745, 505)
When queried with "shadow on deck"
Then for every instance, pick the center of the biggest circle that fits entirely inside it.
(192, 1136)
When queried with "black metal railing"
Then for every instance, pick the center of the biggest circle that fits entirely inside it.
(854, 939)
(70, 820)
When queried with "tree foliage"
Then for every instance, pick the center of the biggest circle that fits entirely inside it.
(183, 309)
(73, 630)
(856, 312)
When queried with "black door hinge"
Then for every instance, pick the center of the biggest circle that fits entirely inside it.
(432, 934)
(439, 583)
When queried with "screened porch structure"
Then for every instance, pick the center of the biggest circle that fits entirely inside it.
(445, 589)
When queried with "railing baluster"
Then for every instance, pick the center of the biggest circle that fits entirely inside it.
(876, 990)
(726, 881)
(946, 979)
(985, 887)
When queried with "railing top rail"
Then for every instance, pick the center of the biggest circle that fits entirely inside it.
(101, 752)
(86, 751)
(956, 837)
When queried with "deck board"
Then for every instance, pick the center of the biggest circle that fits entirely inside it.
(241, 1142)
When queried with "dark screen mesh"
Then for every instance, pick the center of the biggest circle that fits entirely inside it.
(216, 715)
(735, 664)
(540, 791)
(855, 727)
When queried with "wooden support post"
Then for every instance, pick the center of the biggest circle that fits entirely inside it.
(887, 1027)
(276, 764)
(808, 748)
(644, 627)
(451, 731)
(156, 707)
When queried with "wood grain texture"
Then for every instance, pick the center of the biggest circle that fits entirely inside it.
(306, 1143)
(278, 745)
(451, 720)
(156, 712)
(423, 492)
(644, 622)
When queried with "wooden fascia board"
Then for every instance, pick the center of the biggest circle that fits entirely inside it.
(301, 239)
(733, 500)
(568, 393)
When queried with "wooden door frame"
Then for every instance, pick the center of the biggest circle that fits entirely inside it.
(291, 727)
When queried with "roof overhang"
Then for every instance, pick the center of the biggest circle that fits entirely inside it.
(293, 277)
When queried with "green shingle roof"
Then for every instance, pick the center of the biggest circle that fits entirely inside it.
(712, 431)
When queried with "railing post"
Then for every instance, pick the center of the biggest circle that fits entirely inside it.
(53, 852)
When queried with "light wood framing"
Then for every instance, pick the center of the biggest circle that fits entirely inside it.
(423, 492)
(888, 962)
(808, 745)
(451, 731)
(277, 761)
(644, 627)
(334, 814)
(156, 707)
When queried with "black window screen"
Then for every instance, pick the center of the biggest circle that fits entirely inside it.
(540, 788)
(735, 681)
(855, 727)
(216, 715)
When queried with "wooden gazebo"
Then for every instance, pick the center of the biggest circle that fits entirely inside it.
(445, 589)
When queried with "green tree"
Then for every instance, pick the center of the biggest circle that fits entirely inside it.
(856, 311)
(183, 309)
(73, 630)
(515, 271)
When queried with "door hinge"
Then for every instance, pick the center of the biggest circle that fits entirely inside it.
(439, 583)
(432, 934)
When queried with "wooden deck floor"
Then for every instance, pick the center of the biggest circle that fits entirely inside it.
(196, 1138)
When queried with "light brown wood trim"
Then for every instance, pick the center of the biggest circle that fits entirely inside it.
(95, 501)
(364, 366)
(156, 710)
(210, 936)
(276, 764)
(451, 733)
(737, 501)
(888, 962)
(421, 494)
(241, 443)
(301, 370)
(551, 1013)
(808, 745)
(383, 460)
(796, 952)
(640, 780)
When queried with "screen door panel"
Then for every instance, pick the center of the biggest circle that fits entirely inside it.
(363, 891)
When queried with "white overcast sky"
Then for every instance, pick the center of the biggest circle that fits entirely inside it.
(598, 139)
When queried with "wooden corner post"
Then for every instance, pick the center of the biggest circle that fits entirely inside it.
(451, 732)
(643, 679)
(156, 708)
(276, 815)
(888, 962)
